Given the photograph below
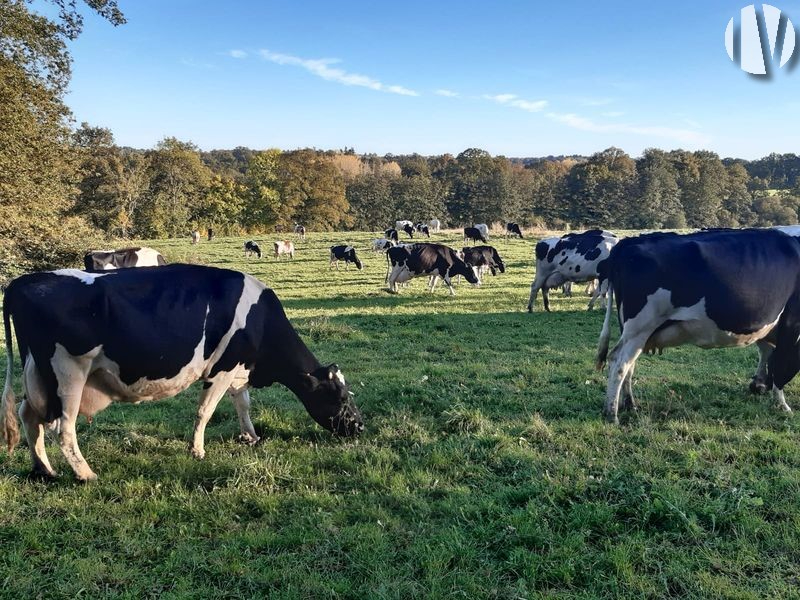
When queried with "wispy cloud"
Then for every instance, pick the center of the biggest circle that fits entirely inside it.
(237, 53)
(613, 114)
(446, 93)
(190, 62)
(517, 102)
(684, 136)
(595, 101)
(322, 67)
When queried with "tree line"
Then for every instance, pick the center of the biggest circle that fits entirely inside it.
(65, 188)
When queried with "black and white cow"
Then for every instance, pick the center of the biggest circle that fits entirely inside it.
(423, 229)
(713, 289)
(382, 244)
(401, 224)
(473, 234)
(346, 254)
(391, 234)
(434, 260)
(574, 257)
(483, 228)
(482, 259)
(104, 260)
(513, 229)
(250, 247)
(409, 229)
(131, 335)
(300, 230)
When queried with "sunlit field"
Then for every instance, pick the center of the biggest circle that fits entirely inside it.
(485, 470)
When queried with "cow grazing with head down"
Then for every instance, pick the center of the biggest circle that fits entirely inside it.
(105, 260)
(713, 289)
(482, 259)
(409, 230)
(574, 257)
(513, 229)
(391, 234)
(132, 335)
(473, 234)
(401, 224)
(283, 247)
(434, 260)
(346, 254)
(250, 248)
(483, 228)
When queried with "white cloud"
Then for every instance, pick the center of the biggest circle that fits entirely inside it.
(237, 53)
(322, 67)
(613, 114)
(684, 136)
(517, 102)
(446, 93)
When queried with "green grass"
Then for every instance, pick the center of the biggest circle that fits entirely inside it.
(485, 470)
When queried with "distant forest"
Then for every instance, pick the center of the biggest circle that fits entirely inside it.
(64, 189)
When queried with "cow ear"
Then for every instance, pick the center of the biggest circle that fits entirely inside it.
(309, 381)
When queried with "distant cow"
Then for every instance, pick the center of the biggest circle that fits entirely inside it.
(483, 228)
(382, 244)
(283, 247)
(210, 234)
(346, 254)
(409, 230)
(513, 229)
(713, 289)
(435, 225)
(434, 260)
(250, 247)
(400, 225)
(473, 234)
(574, 257)
(132, 335)
(425, 231)
(483, 258)
(105, 260)
(195, 236)
(300, 230)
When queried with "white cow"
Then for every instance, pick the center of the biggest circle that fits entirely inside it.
(382, 244)
(435, 225)
(284, 247)
(483, 228)
(399, 225)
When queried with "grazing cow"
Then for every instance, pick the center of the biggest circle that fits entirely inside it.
(435, 225)
(483, 228)
(418, 227)
(401, 225)
(105, 260)
(210, 234)
(473, 234)
(713, 289)
(483, 258)
(574, 257)
(300, 230)
(346, 254)
(513, 229)
(283, 247)
(382, 244)
(425, 231)
(409, 230)
(434, 260)
(88, 339)
(250, 247)
(391, 234)
(195, 236)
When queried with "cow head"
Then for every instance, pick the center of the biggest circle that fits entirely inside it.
(355, 259)
(498, 262)
(329, 401)
(461, 268)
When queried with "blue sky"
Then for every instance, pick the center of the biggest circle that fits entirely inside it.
(519, 78)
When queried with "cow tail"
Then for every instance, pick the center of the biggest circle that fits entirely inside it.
(8, 416)
(605, 333)
(387, 265)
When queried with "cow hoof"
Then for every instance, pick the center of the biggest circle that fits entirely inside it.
(611, 418)
(197, 453)
(758, 387)
(87, 477)
(249, 440)
(530, 309)
(630, 404)
(42, 475)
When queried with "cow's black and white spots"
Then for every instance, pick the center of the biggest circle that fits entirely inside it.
(482, 259)
(434, 260)
(283, 248)
(513, 229)
(391, 234)
(483, 228)
(713, 289)
(346, 254)
(105, 260)
(409, 229)
(132, 335)
(401, 224)
(473, 234)
(382, 244)
(250, 248)
(574, 257)
(423, 229)
(300, 230)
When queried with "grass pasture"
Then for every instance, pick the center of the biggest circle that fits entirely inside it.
(485, 470)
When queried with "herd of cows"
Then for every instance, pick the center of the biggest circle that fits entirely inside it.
(115, 333)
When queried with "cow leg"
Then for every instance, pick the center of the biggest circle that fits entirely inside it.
(628, 401)
(535, 286)
(546, 298)
(432, 283)
(449, 283)
(241, 400)
(34, 432)
(621, 362)
(208, 404)
(758, 384)
(598, 291)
